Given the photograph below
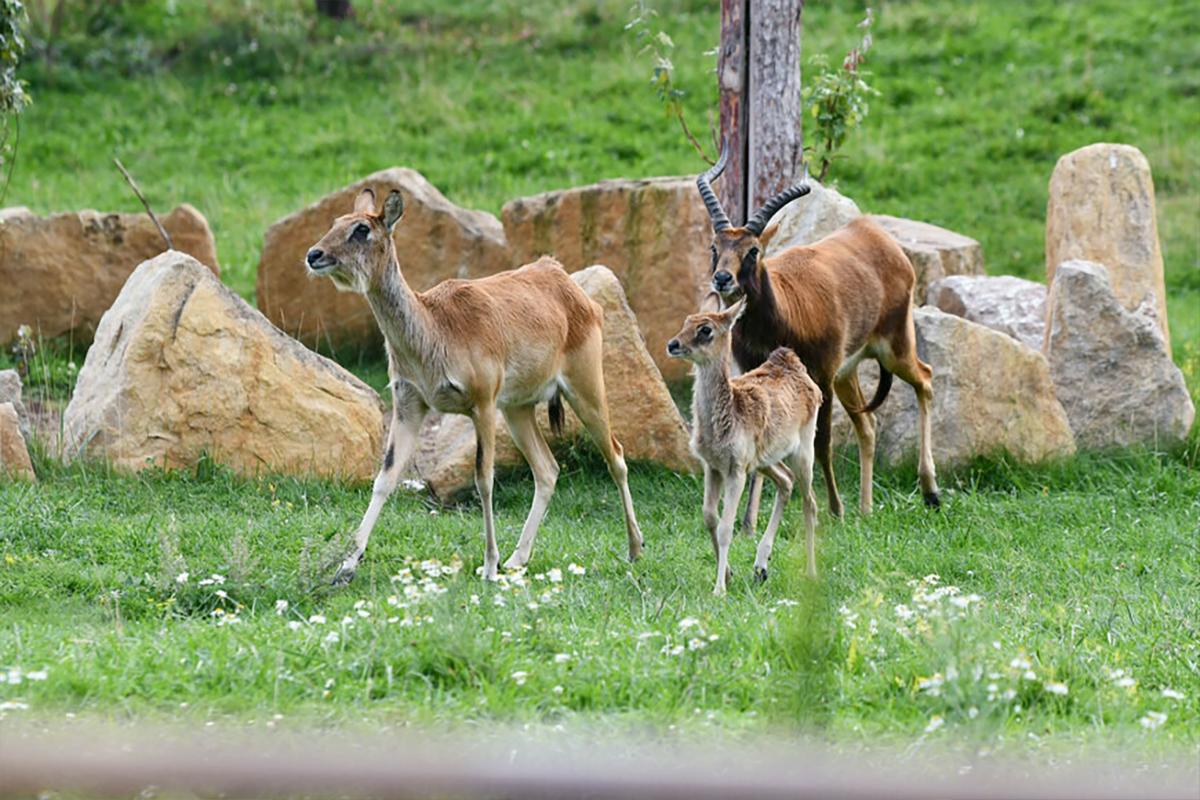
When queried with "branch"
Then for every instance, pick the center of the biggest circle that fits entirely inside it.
(692, 139)
(133, 185)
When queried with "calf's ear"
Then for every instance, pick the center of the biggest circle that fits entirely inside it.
(393, 209)
(365, 202)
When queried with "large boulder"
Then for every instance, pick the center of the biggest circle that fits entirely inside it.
(10, 392)
(14, 454)
(183, 367)
(61, 273)
(1013, 306)
(934, 252)
(1101, 209)
(653, 233)
(644, 418)
(991, 394)
(436, 240)
(1111, 367)
(811, 218)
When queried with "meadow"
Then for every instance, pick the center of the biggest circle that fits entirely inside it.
(1055, 604)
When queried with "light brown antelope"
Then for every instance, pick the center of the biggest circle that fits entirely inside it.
(836, 302)
(506, 342)
(757, 422)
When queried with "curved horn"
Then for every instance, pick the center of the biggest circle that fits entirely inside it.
(761, 217)
(719, 220)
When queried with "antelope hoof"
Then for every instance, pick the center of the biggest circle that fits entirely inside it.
(760, 574)
(344, 575)
(933, 500)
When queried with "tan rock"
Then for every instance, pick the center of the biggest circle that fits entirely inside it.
(811, 218)
(654, 234)
(1101, 208)
(61, 273)
(182, 366)
(436, 240)
(935, 252)
(644, 418)
(1111, 367)
(14, 454)
(992, 394)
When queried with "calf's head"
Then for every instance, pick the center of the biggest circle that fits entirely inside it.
(705, 337)
(737, 253)
(358, 247)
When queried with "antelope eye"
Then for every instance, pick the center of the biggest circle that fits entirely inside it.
(360, 232)
(704, 331)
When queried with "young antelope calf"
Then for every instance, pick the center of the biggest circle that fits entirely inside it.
(763, 421)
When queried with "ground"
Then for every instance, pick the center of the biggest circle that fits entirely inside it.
(1073, 617)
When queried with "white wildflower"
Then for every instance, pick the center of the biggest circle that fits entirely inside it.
(555, 575)
(1054, 687)
(575, 569)
(904, 612)
(317, 619)
(1171, 694)
(1152, 720)
(281, 606)
(688, 622)
(520, 676)
(295, 625)
(562, 658)
(37, 675)
(181, 578)
(935, 722)
(697, 644)
(13, 705)
(332, 637)
(557, 690)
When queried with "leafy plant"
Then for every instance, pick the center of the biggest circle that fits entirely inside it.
(660, 45)
(13, 97)
(837, 98)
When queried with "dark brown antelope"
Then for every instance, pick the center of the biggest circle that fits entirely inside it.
(834, 303)
(505, 342)
(763, 421)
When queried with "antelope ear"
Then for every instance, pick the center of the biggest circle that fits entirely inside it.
(734, 312)
(365, 202)
(768, 235)
(393, 209)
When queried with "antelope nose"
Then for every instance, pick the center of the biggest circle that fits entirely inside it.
(673, 347)
(722, 279)
(314, 256)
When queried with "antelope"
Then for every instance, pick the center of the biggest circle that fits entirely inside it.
(834, 303)
(505, 342)
(760, 421)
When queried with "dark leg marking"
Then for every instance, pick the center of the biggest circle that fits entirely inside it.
(390, 458)
(478, 454)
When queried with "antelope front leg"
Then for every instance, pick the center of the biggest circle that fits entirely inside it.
(485, 456)
(712, 496)
(734, 485)
(408, 412)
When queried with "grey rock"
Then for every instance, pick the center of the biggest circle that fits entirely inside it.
(1111, 368)
(1012, 306)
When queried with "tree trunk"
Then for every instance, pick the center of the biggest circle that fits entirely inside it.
(335, 9)
(758, 71)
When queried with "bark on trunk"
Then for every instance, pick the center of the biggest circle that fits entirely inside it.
(758, 70)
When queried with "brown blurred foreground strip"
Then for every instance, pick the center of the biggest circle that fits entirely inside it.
(125, 761)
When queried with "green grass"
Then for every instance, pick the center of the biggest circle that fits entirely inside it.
(1082, 567)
